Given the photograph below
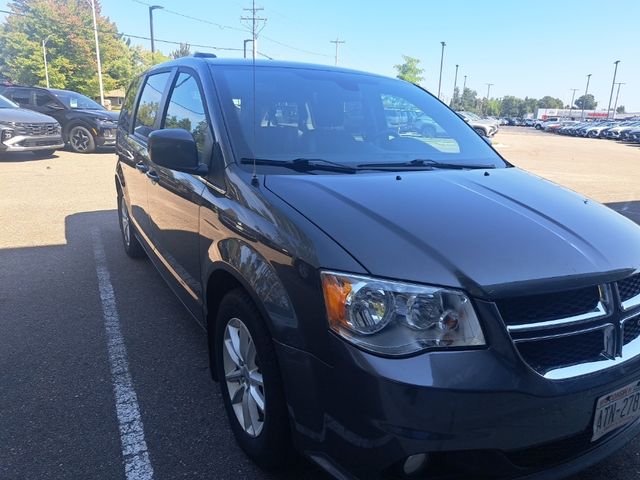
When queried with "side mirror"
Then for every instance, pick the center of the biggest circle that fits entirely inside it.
(53, 106)
(175, 149)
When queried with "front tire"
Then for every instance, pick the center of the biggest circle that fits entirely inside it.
(250, 382)
(480, 132)
(81, 140)
(130, 242)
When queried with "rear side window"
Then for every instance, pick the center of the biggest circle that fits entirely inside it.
(127, 106)
(21, 96)
(150, 103)
(44, 99)
(186, 110)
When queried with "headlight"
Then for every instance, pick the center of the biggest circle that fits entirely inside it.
(107, 123)
(395, 318)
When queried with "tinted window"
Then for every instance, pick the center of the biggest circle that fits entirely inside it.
(342, 117)
(21, 96)
(150, 103)
(127, 106)
(44, 98)
(6, 103)
(186, 110)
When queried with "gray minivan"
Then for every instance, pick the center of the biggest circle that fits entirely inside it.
(388, 303)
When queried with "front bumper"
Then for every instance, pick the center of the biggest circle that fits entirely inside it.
(105, 137)
(24, 143)
(475, 412)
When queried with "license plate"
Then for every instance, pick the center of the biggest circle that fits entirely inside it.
(616, 409)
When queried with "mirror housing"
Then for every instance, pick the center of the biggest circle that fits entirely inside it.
(175, 149)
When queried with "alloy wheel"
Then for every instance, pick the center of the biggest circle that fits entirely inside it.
(80, 139)
(243, 377)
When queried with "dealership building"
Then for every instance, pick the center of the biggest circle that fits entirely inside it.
(576, 114)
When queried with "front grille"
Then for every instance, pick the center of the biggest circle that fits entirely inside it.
(629, 287)
(631, 330)
(36, 129)
(557, 352)
(551, 306)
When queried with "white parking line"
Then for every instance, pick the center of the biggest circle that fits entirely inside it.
(137, 464)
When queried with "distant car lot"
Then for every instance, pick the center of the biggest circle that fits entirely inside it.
(58, 416)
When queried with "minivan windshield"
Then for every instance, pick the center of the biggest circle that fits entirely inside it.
(342, 117)
(76, 100)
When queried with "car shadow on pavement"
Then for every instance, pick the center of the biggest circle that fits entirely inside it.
(19, 157)
(57, 399)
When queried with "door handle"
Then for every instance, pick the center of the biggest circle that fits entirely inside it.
(142, 168)
(153, 176)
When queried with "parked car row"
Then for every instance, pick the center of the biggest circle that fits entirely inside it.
(81, 124)
(625, 130)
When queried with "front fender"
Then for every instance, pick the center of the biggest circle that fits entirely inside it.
(259, 278)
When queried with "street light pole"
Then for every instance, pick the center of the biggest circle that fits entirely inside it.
(153, 47)
(613, 84)
(574, 90)
(44, 55)
(245, 46)
(455, 83)
(616, 104)
(441, 62)
(586, 91)
(95, 33)
(488, 90)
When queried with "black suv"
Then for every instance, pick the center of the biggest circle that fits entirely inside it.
(86, 124)
(388, 300)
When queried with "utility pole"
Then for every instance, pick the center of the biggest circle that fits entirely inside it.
(95, 33)
(337, 42)
(153, 46)
(254, 25)
(441, 61)
(455, 83)
(44, 55)
(489, 85)
(574, 90)
(586, 91)
(616, 104)
(613, 84)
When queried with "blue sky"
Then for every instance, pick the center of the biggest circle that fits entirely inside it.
(525, 48)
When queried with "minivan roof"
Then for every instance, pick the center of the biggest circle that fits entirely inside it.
(191, 60)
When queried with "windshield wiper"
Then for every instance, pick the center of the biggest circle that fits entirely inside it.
(302, 164)
(420, 163)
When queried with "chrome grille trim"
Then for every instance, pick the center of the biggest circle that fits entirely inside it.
(631, 303)
(603, 309)
(36, 129)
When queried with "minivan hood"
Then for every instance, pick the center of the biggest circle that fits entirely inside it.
(488, 231)
(24, 115)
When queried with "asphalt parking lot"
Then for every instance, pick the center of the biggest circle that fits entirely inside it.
(58, 414)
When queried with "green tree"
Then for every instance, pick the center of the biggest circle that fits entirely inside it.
(550, 102)
(510, 106)
(183, 51)
(588, 101)
(493, 107)
(68, 26)
(410, 70)
(469, 100)
(620, 109)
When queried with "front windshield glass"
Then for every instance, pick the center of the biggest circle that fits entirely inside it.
(6, 103)
(75, 100)
(341, 117)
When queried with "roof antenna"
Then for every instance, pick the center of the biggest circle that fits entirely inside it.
(254, 34)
